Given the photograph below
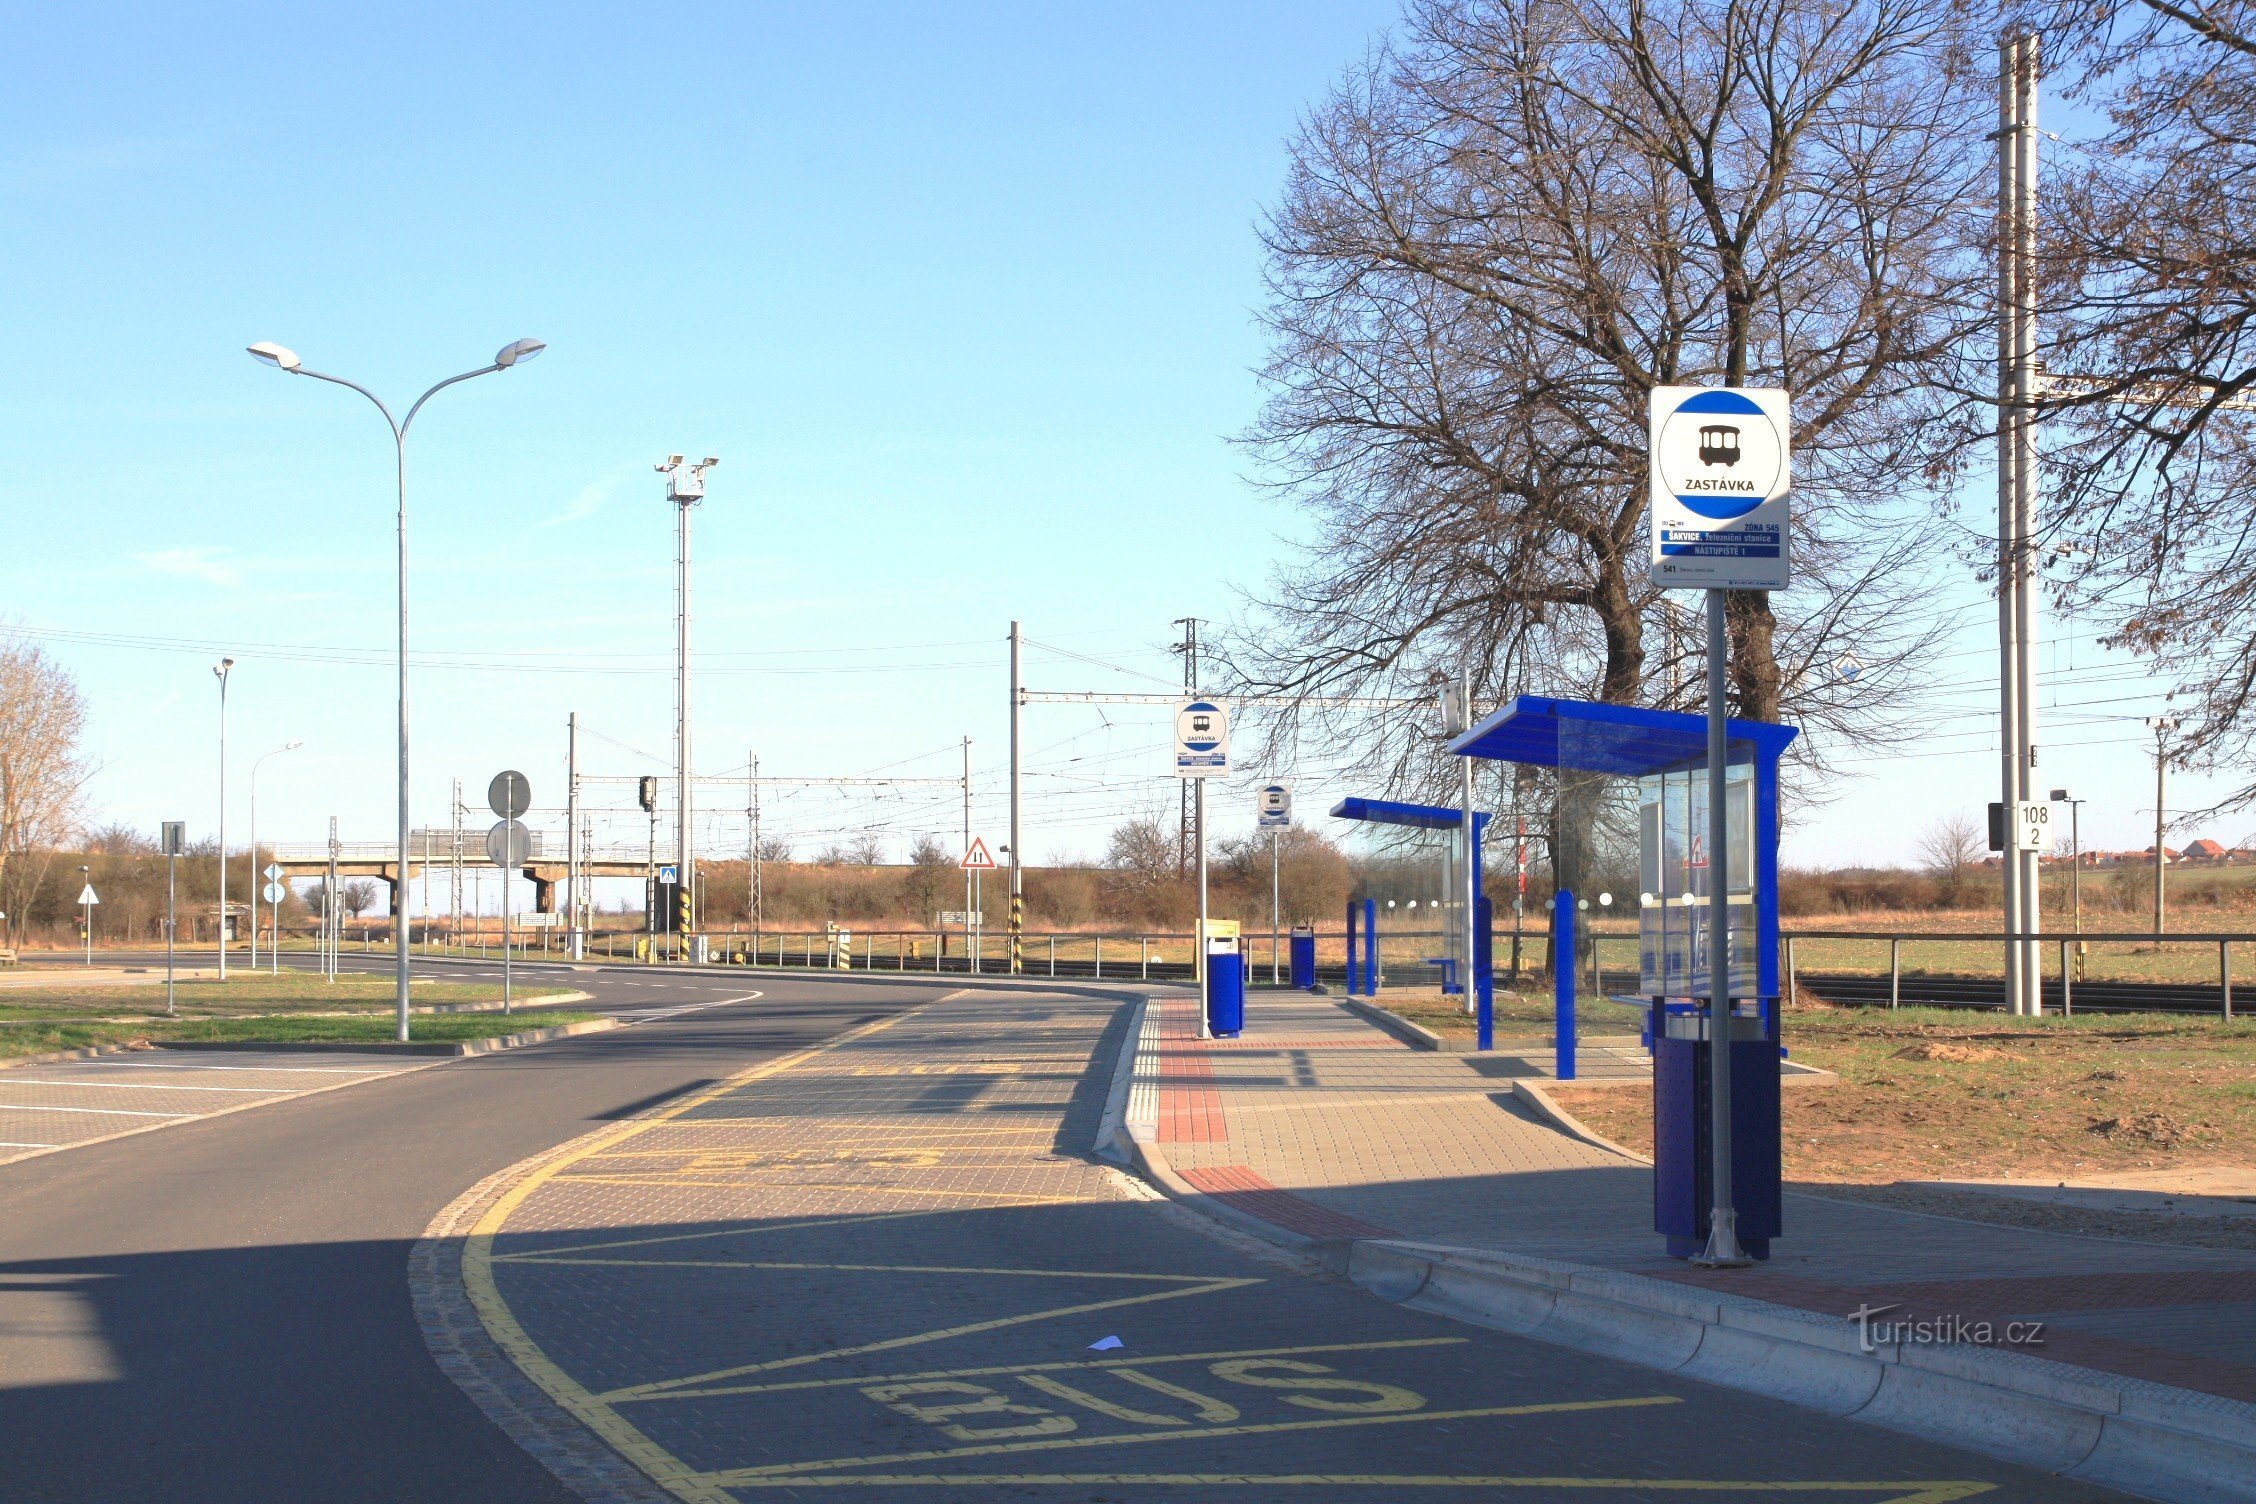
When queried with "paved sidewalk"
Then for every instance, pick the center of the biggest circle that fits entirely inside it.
(1320, 1124)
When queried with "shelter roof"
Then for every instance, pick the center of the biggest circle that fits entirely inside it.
(1584, 736)
(1394, 812)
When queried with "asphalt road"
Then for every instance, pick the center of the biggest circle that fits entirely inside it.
(220, 1311)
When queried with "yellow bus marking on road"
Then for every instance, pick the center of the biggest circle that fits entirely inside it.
(1922, 1491)
(662, 1388)
(993, 1199)
(508, 1334)
(1005, 1370)
(735, 1477)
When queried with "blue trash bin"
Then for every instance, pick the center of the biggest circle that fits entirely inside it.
(1304, 957)
(1225, 989)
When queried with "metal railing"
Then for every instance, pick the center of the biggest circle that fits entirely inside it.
(2069, 948)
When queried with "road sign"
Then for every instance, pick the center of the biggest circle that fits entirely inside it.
(977, 859)
(509, 844)
(1720, 487)
(1274, 804)
(273, 873)
(962, 916)
(669, 873)
(274, 893)
(509, 795)
(88, 895)
(1202, 740)
(2032, 826)
(172, 838)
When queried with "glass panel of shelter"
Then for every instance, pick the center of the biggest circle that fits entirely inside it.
(1674, 875)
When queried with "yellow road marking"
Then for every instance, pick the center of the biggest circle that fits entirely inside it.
(985, 1198)
(733, 1477)
(725, 1232)
(1923, 1492)
(501, 1323)
(1210, 1281)
(661, 1389)
(1005, 1370)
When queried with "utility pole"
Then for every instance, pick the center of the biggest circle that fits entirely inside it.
(2162, 726)
(969, 961)
(752, 846)
(454, 900)
(577, 945)
(2017, 566)
(1189, 649)
(759, 876)
(685, 487)
(220, 671)
(1017, 867)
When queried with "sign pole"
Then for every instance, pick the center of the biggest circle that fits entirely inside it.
(1723, 1250)
(1275, 837)
(1198, 838)
(170, 858)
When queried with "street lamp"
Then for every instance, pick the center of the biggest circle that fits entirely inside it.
(285, 359)
(2075, 872)
(220, 672)
(256, 876)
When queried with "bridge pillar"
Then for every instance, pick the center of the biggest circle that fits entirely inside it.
(544, 890)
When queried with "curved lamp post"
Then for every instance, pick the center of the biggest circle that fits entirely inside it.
(287, 360)
(258, 877)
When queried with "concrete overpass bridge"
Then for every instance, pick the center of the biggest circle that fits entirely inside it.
(380, 860)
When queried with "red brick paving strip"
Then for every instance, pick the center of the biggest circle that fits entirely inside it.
(1241, 1189)
(1190, 1109)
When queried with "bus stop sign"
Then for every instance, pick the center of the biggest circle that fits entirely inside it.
(1721, 482)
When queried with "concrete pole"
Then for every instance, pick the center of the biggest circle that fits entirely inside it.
(759, 875)
(577, 944)
(1017, 862)
(968, 900)
(2017, 493)
(1276, 889)
(220, 670)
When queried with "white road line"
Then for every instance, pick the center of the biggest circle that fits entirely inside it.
(128, 1085)
(107, 1112)
(17, 1143)
(309, 1070)
(642, 1017)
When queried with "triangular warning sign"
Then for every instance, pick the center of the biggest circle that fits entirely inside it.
(87, 895)
(977, 859)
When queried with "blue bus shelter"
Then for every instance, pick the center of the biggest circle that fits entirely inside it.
(1425, 817)
(1666, 753)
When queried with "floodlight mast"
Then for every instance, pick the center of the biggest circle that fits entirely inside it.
(685, 487)
(283, 358)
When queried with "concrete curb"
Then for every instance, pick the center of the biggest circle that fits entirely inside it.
(57, 1057)
(1113, 1142)
(2165, 1443)
(523, 1004)
(1413, 1035)
(1566, 1122)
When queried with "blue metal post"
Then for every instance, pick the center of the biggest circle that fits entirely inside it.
(1484, 972)
(1370, 947)
(1563, 983)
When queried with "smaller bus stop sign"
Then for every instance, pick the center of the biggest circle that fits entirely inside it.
(1275, 807)
(1720, 487)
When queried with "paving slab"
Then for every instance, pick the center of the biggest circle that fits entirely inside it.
(1324, 1126)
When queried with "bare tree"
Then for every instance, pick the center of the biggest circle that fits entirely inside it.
(42, 773)
(1140, 863)
(1951, 848)
(357, 897)
(1500, 234)
(2148, 241)
(930, 867)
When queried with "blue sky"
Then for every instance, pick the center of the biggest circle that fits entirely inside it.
(962, 296)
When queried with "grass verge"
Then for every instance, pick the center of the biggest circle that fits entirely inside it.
(1934, 1094)
(281, 1028)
